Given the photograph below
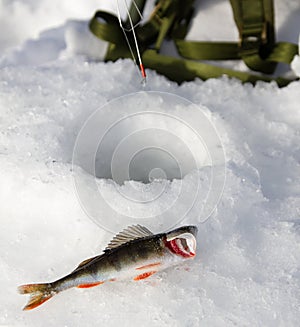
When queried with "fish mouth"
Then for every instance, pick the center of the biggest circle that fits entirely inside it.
(181, 230)
(182, 241)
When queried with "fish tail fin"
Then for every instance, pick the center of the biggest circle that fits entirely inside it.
(39, 293)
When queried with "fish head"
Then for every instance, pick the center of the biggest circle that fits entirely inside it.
(182, 241)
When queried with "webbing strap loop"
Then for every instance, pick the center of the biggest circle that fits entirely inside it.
(106, 27)
(189, 70)
(255, 22)
(170, 18)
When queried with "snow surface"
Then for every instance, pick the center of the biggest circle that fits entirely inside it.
(54, 214)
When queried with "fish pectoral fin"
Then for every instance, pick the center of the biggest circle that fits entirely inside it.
(88, 285)
(144, 275)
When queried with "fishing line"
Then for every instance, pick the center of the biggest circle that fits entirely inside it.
(132, 29)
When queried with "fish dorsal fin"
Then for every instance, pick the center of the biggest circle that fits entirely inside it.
(128, 234)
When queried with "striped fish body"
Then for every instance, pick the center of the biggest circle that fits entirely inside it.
(135, 253)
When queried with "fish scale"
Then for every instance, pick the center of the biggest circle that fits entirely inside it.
(135, 253)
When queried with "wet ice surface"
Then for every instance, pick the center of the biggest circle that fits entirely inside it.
(247, 267)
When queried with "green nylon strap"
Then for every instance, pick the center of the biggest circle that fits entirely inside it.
(136, 8)
(283, 52)
(168, 17)
(166, 23)
(157, 27)
(106, 27)
(207, 50)
(255, 21)
(180, 70)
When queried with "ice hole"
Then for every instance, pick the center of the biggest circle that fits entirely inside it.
(144, 155)
(143, 137)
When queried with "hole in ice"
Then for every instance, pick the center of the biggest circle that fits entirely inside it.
(148, 137)
(147, 155)
(142, 137)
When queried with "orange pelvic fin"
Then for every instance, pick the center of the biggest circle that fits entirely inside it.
(148, 266)
(144, 275)
(39, 293)
(89, 285)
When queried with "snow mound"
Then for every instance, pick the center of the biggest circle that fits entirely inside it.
(247, 268)
(63, 197)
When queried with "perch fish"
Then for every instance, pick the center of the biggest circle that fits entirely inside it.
(135, 253)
